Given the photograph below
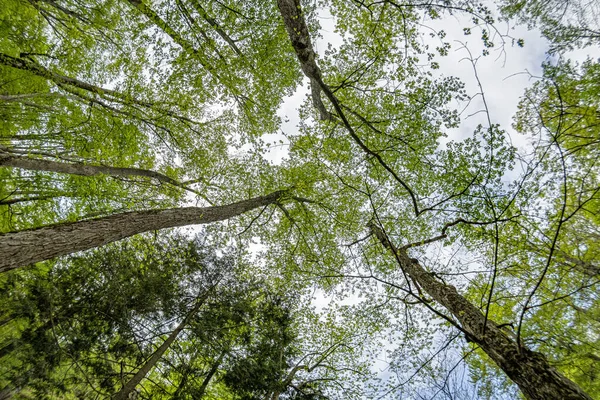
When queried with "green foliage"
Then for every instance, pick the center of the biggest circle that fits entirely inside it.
(301, 301)
(567, 24)
(556, 236)
(83, 325)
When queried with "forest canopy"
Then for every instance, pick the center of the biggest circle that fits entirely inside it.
(156, 242)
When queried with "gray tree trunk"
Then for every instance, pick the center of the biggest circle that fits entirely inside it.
(158, 353)
(76, 168)
(536, 378)
(29, 246)
(529, 370)
(210, 375)
(36, 69)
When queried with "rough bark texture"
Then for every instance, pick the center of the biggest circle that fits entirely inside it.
(28, 65)
(26, 247)
(210, 375)
(300, 38)
(38, 164)
(536, 378)
(123, 394)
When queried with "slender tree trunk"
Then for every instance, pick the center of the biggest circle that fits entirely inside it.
(143, 8)
(287, 381)
(212, 22)
(26, 64)
(209, 376)
(182, 383)
(76, 168)
(29, 246)
(26, 199)
(158, 353)
(529, 370)
(36, 69)
(33, 67)
(536, 378)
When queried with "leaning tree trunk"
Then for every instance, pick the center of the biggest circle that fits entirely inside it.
(536, 378)
(211, 373)
(123, 394)
(29, 246)
(31, 66)
(76, 168)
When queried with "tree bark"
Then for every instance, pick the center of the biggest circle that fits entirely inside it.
(529, 370)
(30, 246)
(76, 168)
(209, 376)
(293, 18)
(158, 353)
(31, 66)
(212, 22)
(36, 69)
(300, 38)
(536, 378)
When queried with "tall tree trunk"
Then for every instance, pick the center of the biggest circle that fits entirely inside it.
(293, 18)
(36, 69)
(77, 168)
(298, 32)
(158, 353)
(287, 381)
(212, 22)
(536, 378)
(33, 67)
(209, 376)
(29, 246)
(529, 370)
(186, 45)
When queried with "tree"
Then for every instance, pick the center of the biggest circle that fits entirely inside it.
(560, 112)
(130, 385)
(29, 246)
(542, 380)
(185, 93)
(530, 371)
(567, 25)
(97, 342)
